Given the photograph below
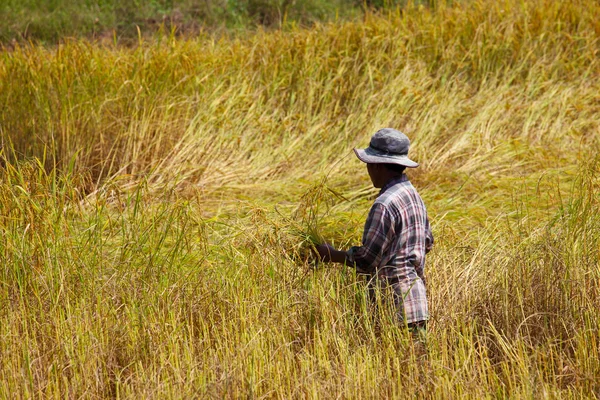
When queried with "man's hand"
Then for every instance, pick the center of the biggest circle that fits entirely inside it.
(324, 251)
(327, 252)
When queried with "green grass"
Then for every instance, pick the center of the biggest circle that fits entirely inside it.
(157, 203)
(50, 21)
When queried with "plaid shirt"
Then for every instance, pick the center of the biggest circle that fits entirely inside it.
(396, 238)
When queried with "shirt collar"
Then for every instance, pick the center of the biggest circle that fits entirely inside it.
(392, 182)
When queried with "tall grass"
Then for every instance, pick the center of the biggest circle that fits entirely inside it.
(153, 200)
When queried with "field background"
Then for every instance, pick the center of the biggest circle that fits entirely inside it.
(50, 21)
(157, 197)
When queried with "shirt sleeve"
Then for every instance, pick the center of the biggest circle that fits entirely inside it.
(379, 229)
(428, 236)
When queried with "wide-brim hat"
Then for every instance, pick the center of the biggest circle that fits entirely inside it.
(387, 146)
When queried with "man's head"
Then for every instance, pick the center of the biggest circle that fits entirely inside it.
(386, 156)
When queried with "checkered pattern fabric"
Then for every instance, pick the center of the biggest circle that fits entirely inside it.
(396, 238)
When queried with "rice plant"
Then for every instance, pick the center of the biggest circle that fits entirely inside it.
(158, 203)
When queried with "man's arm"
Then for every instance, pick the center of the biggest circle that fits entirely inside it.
(379, 231)
(327, 253)
(428, 236)
(379, 228)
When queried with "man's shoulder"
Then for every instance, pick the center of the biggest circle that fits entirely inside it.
(396, 194)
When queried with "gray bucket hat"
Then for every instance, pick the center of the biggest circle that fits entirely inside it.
(388, 146)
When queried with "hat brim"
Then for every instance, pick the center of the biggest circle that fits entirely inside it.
(370, 157)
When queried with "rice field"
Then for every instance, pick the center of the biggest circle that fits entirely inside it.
(158, 201)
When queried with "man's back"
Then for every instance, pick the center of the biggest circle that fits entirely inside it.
(411, 228)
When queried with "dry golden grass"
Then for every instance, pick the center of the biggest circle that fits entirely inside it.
(154, 201)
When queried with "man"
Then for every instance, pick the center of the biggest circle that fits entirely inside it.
(397, 234)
